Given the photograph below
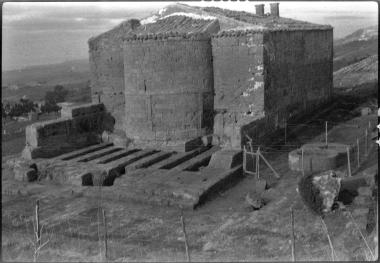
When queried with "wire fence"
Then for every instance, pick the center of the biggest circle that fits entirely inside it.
(294, 135)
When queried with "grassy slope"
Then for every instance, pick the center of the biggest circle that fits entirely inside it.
(355, 47)
(356, 74)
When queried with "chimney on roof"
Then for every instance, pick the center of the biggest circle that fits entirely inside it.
(259, 10)
(274, 10)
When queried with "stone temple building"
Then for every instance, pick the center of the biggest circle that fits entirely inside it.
(175, 96)
(188, 72)
(190, 76)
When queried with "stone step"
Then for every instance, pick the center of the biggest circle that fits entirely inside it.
(149, 160)
(189, 164)
(114, 156)
(73, 154)
(177, 159)
(97, 154)
(117, 167)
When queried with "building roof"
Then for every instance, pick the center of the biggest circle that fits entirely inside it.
(117, 32)
(186, 21)
(266, 22)
(176, 25)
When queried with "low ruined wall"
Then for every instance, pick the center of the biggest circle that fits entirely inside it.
(168, 89)
(107, 69)
(78, 127)
(239, 84)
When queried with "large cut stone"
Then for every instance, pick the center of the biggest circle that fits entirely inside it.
(226, 159)
(25, 174)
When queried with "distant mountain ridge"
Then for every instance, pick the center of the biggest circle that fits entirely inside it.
(364, 34)
(61, 73)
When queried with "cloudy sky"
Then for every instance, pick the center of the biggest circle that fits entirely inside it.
(38, 33)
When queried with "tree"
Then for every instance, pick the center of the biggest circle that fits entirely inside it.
(57, 95)
(53, 97)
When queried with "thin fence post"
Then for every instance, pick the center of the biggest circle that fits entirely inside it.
(326, 133)
(105, 234)
(258, 162)
(303, 170)
(366, 142)
(293, 238)
(358, 153)
(333, 256)
(369, 125)
(185, 237)
(244, 159)
(38, 227)
(348, 162)
(286, 124)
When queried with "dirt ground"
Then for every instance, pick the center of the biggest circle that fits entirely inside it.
(223, 229)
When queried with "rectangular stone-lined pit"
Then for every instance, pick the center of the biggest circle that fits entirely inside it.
(147, 161)
(95, 155)
(183, 158)
(77, 153)
(114, 156)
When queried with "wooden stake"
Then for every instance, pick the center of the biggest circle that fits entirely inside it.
(303, 170)
(244, 159)
(105, 234)
(328, 237)
(258, 162)
(293, 238)
(348, 162)
(38, 226)
(366, 142)
(286, 124)
(326, 132)
(358, 154)
(185, 237)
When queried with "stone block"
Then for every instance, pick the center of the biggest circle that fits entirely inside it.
(226, 159)
(362, 211)
(365, 191)
(119, 139)
(25, 174)
(316, 158)
(362, 200)
(260, 186)
(31, 135)
(72, 111)
(365, 111)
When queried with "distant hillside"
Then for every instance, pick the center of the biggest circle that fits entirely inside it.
(35, 81)
(67, 72)
(357, 46)
(364, 34)
(362, 72)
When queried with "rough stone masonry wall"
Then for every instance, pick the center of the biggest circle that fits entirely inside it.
(297, 76)
(168, 89)
(79, 126)
(107, 70)
(239, 84)
(298, 71)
